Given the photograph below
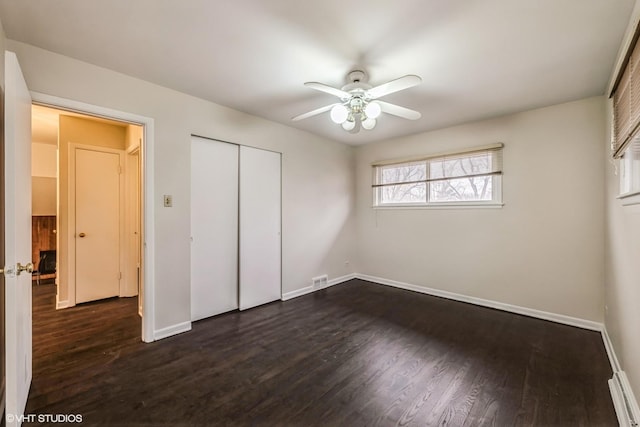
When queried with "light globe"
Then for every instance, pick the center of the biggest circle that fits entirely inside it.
(339, 113)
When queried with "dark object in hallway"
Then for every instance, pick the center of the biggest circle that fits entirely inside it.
(46, 265)
(352, 355)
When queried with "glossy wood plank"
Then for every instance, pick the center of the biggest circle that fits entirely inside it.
(43, 236)
(357, 354)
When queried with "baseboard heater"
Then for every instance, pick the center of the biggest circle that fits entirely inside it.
(624, 402)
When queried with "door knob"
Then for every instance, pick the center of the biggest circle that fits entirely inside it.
(20, 268)
(81, 235)
(8, 271)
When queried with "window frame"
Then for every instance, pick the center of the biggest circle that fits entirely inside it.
(496, 200)
(629, 173)
(625, 119)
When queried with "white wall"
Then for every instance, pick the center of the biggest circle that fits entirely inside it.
(543, 250)
(43, 196)
(622, 254)
(43, 182)
(317, 177)
(44, 161)
(622, 277)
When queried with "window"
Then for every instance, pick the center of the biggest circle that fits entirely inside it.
(469, 177)
(626, 124)
(630, 169)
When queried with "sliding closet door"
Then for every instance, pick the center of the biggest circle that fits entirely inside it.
(260, 218)
(214, 227)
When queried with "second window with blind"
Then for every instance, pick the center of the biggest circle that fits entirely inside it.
(464, 178)
(626, 123)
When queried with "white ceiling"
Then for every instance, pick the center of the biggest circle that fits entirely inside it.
(477, 58)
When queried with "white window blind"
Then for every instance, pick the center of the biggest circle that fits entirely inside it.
(469, 176)
(626, 102)
(626, 123)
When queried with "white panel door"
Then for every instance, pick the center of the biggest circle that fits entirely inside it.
(260, 221)
(97, 224)
(17, 190)
(214, 227)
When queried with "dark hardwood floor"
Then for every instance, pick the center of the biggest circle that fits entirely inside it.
(357, 354)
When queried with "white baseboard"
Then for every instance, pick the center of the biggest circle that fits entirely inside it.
(128, 295)
(171, 330)
(558, 318)
(308, 289)
(617, 396)
(63, 304)
(624, 401)
(297, 293)
(608, 346)
(339, 280)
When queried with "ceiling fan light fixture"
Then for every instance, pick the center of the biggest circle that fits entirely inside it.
(359, 105)
(369, 123)
(349, 125)
(339, 114)
(373, 110)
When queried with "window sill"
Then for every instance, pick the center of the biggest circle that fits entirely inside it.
(629, 199)
(442, 206)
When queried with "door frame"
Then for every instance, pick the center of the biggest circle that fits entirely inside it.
(147, 192)
(132, 223)
(71, 229)
(3, 360)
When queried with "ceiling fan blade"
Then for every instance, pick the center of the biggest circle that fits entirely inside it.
(314, 112)
(328, 89)
(399, 111)
(396, 85)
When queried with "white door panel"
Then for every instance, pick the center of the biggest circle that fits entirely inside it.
(214, 227)
(97, 224)
(17, 238)
(260, 222)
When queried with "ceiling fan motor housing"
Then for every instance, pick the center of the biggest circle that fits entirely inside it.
(358, 86)
(357, 76)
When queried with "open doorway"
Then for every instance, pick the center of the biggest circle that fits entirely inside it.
(87, 216)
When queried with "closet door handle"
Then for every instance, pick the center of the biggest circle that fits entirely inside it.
(81, 235)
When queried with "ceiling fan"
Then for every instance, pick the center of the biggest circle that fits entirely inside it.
(359, 104)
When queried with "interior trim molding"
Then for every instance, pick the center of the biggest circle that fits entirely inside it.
(148, 200)
(611, 353)
(539, 314)
(297, 293)
(309, 289)
(63, 304)
(624, 402)
(169, 331)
